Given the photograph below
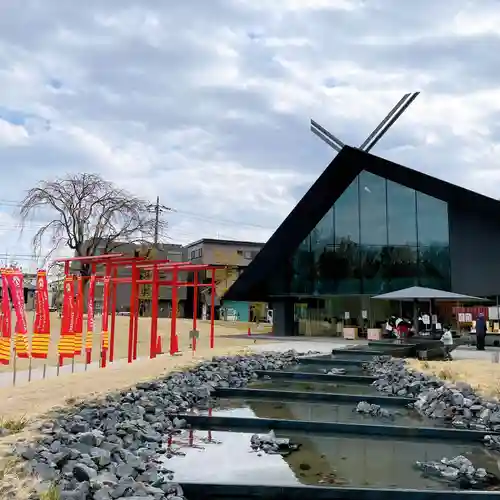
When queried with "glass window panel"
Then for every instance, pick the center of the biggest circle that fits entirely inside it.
(400, 267)
(322, 234)
(373, 270)
(326, 271)
(322, 240)
(434, 267)
(401, 215)
(432, 221)
(347, 215)
(373, 213)
(303, 268)
(347, 270)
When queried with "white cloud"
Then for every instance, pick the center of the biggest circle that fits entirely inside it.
(207, 104)
(12, 135)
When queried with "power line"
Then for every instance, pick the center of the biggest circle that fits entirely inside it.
(218, 220)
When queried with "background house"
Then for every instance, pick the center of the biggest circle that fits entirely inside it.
(173, 252)
(235, 256)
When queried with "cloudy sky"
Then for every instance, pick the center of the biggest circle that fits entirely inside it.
(207, 103)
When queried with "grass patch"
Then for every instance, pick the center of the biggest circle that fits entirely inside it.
(13, 425)
(52, 493)
(445, 374)
(482, 375)
(8, 467)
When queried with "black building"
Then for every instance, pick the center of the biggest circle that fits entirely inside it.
(369, 226)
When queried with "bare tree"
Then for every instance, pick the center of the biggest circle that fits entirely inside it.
(88, 213)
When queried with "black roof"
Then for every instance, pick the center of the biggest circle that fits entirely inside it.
(336, 178)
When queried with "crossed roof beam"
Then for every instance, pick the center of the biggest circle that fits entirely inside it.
(379, 131)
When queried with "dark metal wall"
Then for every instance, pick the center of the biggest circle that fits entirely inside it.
(283, 317)
(474, 252)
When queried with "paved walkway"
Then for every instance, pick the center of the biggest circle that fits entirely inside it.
(465, 352)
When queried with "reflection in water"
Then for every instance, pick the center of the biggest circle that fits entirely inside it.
(305, 386)
(225, 457)
(322, 412)
(321, 460)
(324, 369)
(357, 461)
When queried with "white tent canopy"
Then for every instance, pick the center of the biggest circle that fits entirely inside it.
(423, 293)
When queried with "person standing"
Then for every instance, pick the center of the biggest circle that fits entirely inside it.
(480, 332)
(447, 340)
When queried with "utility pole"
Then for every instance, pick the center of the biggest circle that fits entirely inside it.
(157, 219)
(158, 209)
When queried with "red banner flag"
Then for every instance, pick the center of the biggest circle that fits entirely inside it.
(105, 313)
(79, 316)
(66, 346)
(15, 280)
(41, 328)
(90, 317)
(5, 323)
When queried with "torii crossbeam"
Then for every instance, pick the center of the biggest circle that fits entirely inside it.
(377, 134)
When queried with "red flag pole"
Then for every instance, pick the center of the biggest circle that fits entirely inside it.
(212, 311)
(153, 346)
(105, 318)
(133, 291)
(113, 316)
(174, 342)
(195, 307)
(6, 332)
(63, 319)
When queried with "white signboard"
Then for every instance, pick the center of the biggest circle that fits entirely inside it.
(461, 317)
(468, 317)
(347, 315)
(364, 314)
(426, 319)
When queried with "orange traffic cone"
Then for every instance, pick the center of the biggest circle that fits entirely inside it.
(159, 348)
(249, 333)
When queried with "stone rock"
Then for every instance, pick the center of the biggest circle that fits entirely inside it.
(454, 403)
(374, 410)
(460, 472)
(336, 371)
(110, 449)
(83, 472)
(271, 445)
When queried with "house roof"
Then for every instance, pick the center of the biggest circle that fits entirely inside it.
(214, 241)
(335, 179)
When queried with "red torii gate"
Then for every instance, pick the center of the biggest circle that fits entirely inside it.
(112, 262)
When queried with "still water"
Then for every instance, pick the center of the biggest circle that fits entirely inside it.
(321, 460)
(307, 386)
(320, 412)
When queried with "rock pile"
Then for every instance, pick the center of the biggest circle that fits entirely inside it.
(455, 403)
(271, 445)
(335, 371)
(374, 410)
(459, 471)
(113, 449)
(492, 442)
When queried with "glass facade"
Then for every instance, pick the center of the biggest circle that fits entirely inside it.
(378, 237)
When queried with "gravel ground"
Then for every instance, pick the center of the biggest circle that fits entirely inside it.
(113, 448)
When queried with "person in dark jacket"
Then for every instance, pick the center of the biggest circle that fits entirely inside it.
(480, 332)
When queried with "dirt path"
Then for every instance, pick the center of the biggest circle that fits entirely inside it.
(38, 397)
(184, 326)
